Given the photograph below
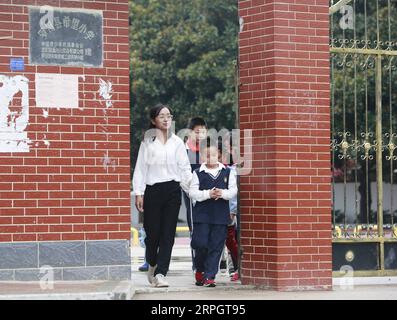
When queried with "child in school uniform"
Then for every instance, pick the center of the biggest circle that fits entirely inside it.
(227, 155)
(212, 186)
(231, 240)
(142, 235)
(198, 132)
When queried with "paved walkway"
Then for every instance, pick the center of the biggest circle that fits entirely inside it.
(182, 285)
(359, 293)
(180, 275)
(67, 290)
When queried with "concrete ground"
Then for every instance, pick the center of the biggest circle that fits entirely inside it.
(359, 293)
(180, 278)
(67, 290)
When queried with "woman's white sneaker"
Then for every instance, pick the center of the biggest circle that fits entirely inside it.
(159, 281)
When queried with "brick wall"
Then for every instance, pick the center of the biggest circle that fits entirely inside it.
(74, 183)
(284, 99)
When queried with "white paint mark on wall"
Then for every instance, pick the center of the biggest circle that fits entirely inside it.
(105, 91)
(45, 141)
(241, 23)
(45, 113)
(13, 138)
(108, 162)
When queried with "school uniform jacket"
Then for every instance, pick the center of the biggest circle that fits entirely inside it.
(207, 210)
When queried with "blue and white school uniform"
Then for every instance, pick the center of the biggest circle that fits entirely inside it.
(210, 217)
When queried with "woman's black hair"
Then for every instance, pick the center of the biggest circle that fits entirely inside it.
(197, 121)
(155, 111)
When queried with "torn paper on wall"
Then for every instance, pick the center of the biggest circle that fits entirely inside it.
(57, 90)
(105, 91)
(14, 113)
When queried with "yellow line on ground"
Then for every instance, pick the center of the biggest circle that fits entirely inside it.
(135, 234)
(134, 237)
(182, 229)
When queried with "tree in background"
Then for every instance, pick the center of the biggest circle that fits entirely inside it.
(183, 53)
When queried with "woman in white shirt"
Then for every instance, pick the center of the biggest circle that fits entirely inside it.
(161, 170)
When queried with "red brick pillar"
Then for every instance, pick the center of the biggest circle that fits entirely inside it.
(284, 99)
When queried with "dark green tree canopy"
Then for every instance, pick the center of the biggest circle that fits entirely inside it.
(183, 53)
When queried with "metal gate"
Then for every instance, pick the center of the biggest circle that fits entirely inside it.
(364, 136)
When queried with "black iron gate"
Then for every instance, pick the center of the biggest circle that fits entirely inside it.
(364, 135)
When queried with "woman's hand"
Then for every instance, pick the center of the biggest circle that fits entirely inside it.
(139, 203)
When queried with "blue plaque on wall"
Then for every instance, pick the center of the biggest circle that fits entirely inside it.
(17, 64)
(71, 37)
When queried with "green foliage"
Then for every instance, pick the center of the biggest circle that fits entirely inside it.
(183, 53)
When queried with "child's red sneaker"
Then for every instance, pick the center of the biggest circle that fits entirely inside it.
(235, 277)
(209, 283)
(199, 278)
